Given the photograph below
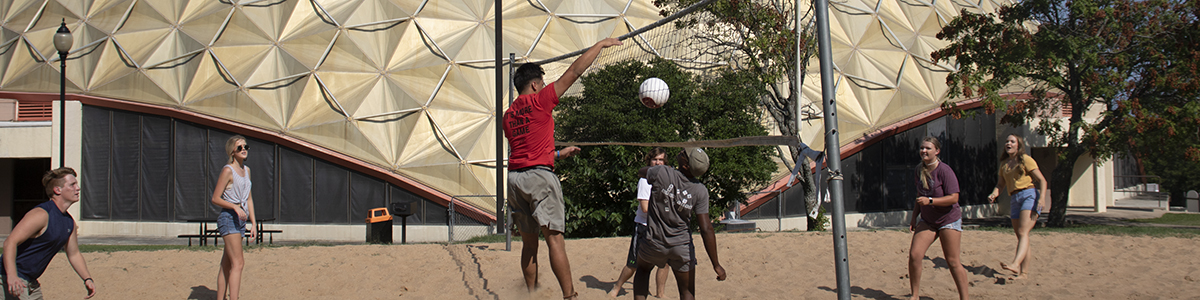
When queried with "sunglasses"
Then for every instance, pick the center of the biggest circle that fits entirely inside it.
(240, 148)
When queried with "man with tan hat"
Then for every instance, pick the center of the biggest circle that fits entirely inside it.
(676, 195)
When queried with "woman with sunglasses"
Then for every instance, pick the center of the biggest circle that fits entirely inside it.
(232, 194)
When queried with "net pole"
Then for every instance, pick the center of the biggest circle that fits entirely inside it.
(512, 58)
(833, 148)
(500, 218)
(797, 86)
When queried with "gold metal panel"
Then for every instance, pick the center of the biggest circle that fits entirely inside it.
(137, 86)
(278, 99)
(376, 14)
(106, 16)
(270, 19)
(273, 65)
(235, 106)
(462, 92)
(41, 78)
(139, 45)
(208, 80)
(19, 13)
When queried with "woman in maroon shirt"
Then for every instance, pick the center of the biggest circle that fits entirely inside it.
(936, 215)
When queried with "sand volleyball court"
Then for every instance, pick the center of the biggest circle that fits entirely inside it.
(760, 266)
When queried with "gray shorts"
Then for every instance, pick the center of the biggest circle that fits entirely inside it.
(32, 291)
(536, 199)
(681, 258)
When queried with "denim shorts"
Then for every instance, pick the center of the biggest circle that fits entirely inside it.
(228, 223)
(1026, 199)
(957, 225)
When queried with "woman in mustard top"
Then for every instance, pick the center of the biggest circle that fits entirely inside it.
(1018, 173)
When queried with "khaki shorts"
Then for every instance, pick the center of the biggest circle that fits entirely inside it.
(536, 199)
(33, 291)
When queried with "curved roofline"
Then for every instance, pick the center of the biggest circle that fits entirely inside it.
(777, 187)
(297, 144)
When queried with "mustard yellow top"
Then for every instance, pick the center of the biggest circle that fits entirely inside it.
(1016, 177)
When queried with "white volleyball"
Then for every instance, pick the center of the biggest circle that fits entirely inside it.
(654, 92)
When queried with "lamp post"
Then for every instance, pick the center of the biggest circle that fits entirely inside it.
(62, 43)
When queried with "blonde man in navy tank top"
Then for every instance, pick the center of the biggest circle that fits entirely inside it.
(44, 231)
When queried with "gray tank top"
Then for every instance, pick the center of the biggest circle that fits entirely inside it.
(238, 192)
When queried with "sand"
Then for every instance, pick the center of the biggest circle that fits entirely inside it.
(759, 265)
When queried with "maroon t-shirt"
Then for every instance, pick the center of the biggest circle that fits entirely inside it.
(942, 182)
(529, 127)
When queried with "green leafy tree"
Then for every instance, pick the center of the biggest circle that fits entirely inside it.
(1156, 120)
(1123, 55)
(600, 183)
(759, 37)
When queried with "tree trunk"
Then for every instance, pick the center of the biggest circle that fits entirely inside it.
(1060, 186)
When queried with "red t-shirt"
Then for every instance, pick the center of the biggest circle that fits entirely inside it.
(529, 128)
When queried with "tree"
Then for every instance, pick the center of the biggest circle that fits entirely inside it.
(1077, 54)
(1156, 121)
(759, 37)
(600, 183)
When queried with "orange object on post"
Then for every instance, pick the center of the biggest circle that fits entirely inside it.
(377, 215)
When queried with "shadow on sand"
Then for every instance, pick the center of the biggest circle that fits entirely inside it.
(984, 270)
(202, 293)
(868, 293)
(594, 283)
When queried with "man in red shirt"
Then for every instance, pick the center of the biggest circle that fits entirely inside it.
(536, 196)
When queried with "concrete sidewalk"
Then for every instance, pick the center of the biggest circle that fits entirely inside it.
(1117, 215)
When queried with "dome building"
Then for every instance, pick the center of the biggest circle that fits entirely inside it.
(356, 104)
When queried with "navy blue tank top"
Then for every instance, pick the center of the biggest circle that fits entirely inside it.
(35, 254)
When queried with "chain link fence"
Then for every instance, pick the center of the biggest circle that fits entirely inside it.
(461, 227)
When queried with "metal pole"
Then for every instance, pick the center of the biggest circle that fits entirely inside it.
(512, 61)
(833, 150)
(779, 210)
(62, 43)
(796, 83)
(500, 115)
(62, 109)
(450, 233)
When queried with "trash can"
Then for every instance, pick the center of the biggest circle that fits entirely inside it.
(379, 226)
(1193, 201)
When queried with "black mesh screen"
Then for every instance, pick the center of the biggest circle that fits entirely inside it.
(93, 177)
(155, 170)
(126, 133)
(331, 193)
(193, 194)
(366, 193)
(261, 160)
(296, 173)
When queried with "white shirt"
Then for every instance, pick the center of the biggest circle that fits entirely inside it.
(643, 193)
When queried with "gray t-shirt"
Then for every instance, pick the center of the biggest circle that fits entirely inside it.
(673, 201)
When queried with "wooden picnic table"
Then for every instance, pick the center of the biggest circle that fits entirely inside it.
(204, 232)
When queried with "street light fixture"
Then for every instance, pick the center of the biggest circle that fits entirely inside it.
(62, 43)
